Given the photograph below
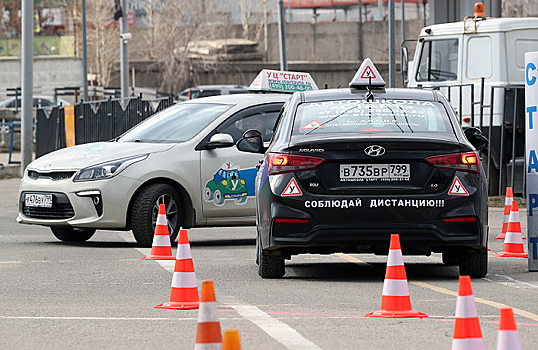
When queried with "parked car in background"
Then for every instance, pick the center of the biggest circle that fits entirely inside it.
(39, 101)
(210, 90)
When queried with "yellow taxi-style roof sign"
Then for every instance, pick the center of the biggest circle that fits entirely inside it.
(367, 70)
(281, 81)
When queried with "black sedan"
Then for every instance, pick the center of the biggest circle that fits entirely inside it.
(346, 168)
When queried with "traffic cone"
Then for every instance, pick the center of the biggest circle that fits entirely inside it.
(395, 301)
(513, 242)
(208, 335)
(507, 207)
(231, 341)
(467, 333)
(508, 336)
(184, 294)
(161, 248)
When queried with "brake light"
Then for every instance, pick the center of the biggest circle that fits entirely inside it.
(279, 163)
(469, 161)
(290, 221)
(465, 219)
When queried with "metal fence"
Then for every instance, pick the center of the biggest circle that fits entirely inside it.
(95, 121)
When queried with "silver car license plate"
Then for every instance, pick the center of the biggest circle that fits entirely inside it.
(38, 200)
(375, 172)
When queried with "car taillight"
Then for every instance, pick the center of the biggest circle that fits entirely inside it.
(469, 161)
(279, 163)
(462, 219)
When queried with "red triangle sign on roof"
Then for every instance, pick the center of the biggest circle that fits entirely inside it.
(368, 73)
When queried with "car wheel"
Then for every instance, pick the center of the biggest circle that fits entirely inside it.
(474, 263)
(70, 234)
(241, 200)
(208, 194)
(451, 258)
(270, 266)
(145, 211)
(218, 198)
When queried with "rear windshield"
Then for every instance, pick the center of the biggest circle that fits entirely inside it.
(359, 116)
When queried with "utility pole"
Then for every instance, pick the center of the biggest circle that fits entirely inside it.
(392, 55)
(124, 42)
(281, 36)
(27, 83)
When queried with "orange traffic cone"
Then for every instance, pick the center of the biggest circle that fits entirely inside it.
(161, 248)
(208, 335)
(513, 242)
(231, 341)
(508, 336)
(395, 301)
(507, 207)
(184, 294)
(467, 332)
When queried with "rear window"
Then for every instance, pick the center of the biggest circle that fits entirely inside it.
(359, 116)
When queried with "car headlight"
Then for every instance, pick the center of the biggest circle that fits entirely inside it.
(106, 170)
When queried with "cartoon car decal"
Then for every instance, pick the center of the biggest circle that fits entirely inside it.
(230, 183)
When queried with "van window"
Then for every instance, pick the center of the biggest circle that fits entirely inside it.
(523, 46)
(438, 60)
(479, 51)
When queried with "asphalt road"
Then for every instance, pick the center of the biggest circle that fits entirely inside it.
(99, 294)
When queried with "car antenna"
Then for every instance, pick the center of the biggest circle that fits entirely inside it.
(369, 94)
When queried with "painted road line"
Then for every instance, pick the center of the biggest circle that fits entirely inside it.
(275, 328)
(96, 318)
(449, 292)
(510, 282)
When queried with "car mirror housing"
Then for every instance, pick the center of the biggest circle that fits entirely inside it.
(251, 142)
(221, 141)
(476, 138)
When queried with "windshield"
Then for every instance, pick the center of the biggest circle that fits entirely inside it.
(178, 123)
(361, 117)
(438, 60)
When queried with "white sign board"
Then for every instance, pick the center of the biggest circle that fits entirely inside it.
(366, 75)
(531, 151)
(279, 81)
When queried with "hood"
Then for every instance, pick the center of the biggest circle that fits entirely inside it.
(82, 156)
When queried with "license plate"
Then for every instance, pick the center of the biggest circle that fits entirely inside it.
(375, 172)
(38, 200)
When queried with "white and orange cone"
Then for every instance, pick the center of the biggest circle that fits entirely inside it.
(507, 208)
(231, 341)
(208, 334)
(161, 248)
(184, 293)
(467, 332)
(395, 301)
(513, 242)
(508, 336)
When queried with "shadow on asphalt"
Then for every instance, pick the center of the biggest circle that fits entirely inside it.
(223, 242)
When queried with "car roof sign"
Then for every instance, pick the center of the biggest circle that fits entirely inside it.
(282, 81)
(367, 75)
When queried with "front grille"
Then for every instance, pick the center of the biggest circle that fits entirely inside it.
(53, 175)
(58, 211)
(61, 208)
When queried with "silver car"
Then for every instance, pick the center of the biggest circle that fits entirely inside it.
(182, 157)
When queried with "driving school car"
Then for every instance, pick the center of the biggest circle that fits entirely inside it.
(182, 157)
(347, 168)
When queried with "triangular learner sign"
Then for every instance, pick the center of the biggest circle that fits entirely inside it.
(367, 70)
(292, 189)
(457, 188)
(314, 124)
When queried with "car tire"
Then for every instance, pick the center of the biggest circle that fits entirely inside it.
(218, 198)
(451, 258)
(474, 263)
(145, 210)
(70, 234)
(208, 194)
(269, 266)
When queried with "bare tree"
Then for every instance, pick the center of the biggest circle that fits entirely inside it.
(10, 21)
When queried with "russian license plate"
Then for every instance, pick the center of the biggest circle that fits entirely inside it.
(38, 200)
(375, 172)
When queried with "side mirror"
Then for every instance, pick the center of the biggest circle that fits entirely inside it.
(404, 64)
(251, 142)
(221, 141)
(476, 138)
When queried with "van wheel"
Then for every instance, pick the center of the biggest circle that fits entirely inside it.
(70, 234)
(145, 211)
(474, 263)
